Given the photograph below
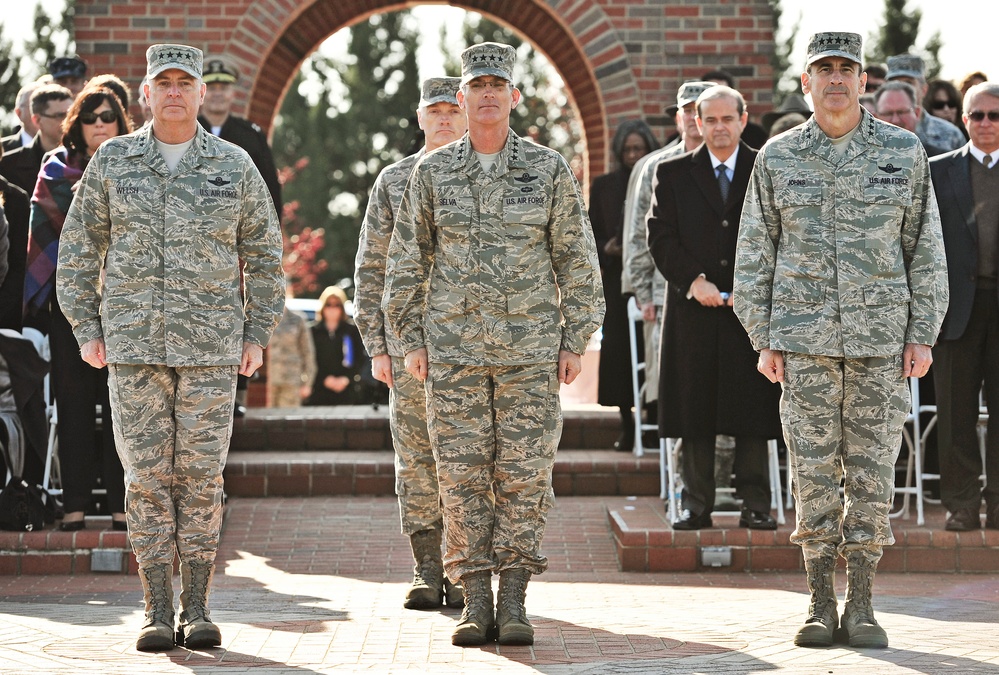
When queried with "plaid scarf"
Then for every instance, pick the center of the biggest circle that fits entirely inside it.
(49, 205)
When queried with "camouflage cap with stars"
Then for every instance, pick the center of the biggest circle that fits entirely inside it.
(487, 58)
(220, 70)
(906, 65)
(439, 90)
(181, 57)
(688, 93)
(845, 45)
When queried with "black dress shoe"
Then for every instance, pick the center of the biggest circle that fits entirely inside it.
(239, 411)
(992, 516)
(72, 526)
(625, 442)
(757, 520)
(691, 521)
(963, 520)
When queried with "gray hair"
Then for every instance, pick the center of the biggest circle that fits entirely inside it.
(986, 88)
(897, 85)
(721, 91)
(24, 97)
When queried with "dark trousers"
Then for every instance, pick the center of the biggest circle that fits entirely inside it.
(962, 366)
(79, 389)
(752, 482)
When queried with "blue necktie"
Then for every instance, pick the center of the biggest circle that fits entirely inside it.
(723, 182)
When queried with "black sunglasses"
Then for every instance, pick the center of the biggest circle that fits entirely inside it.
(106, 116)
(940, 105)
(979, 115)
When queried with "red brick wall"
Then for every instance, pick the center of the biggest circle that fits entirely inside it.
(620, 59)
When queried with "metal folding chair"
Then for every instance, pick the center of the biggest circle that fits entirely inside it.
(915, 441)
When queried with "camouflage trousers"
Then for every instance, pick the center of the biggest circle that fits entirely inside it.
(283, 395)
(494, 431)
(652, 333)
(842, 422)
(415, 467)
(172, 428)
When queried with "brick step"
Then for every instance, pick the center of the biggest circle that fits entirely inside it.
(645, 542)
(372, 472)
(589, 427)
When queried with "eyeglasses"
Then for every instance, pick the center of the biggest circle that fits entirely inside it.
(940, 105)
(889, 114)
(106, 116)
(979, 115)
(53, 116)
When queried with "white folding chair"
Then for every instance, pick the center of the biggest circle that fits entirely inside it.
(638, 390)
(915, 442)
(53, 474)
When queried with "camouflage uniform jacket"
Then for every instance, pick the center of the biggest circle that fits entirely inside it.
(170, 247)
(291, 354)
(939, 133)
(640, 274)
(841, 256)
(493, 269)
(372, 250)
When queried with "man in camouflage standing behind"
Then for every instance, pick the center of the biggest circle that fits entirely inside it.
(494, 290)
(164, 215)
(841, 283)
(442, 122)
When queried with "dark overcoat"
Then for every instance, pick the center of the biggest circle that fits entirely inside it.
(708, 380)
(606, 217)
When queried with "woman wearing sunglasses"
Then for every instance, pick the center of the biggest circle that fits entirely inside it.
(944, 100)
(94, 117)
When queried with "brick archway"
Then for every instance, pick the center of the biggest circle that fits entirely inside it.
(619, 60)
(575, 41)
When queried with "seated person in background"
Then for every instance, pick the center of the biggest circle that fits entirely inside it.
(339, 354)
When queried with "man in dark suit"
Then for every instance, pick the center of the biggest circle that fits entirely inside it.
(966, 356)
(708, 383)
(22, 109)
(49, 104)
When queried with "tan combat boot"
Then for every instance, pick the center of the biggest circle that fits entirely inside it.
(858, 627)
(195, 629)
(428, 573)
(511, 617)
(157, 591)
(821, 623)
(454, 594)
(476, 626)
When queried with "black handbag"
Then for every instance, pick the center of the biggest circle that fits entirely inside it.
(25, 507)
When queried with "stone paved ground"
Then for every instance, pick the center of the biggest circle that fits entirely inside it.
(315, 586)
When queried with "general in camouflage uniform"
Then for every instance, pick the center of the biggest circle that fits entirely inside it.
(291, 362)
(149, 278)
(841, 283)
(443, 121)
(493, 280)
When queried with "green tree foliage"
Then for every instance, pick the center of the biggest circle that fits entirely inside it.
(9, 81)
(52, 36)
(544, 113)
(786, 75)
(899, 30)
(349, 117)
